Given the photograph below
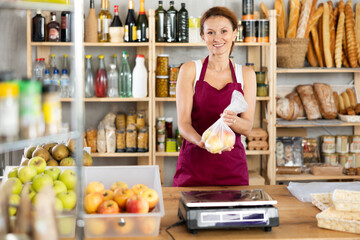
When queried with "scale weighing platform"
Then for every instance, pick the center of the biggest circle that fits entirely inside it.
(226, 209)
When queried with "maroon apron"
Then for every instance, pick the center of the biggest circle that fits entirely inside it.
(196, 166)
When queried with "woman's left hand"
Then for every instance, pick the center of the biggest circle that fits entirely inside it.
(229, 118)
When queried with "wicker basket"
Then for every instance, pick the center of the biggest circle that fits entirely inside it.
(291, 52)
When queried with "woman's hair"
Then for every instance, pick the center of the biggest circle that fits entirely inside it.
(221, 12)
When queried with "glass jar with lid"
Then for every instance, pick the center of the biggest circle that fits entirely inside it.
(142, 140)
(162, 86)
(262, 90)
(9, 109)
(162, 65)
(51, 106)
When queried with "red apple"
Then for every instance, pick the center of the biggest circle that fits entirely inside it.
(139, 188)
(151, 196)
(118, 184)
(92, 201)
(121, 195)
(108, 195)
(95, 187)
(108, 207)
(137, 204)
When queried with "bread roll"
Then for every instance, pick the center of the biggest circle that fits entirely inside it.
(350, 36)
(295, 96)
(308, 99)
(311, 55)
(350, 111)
(264, 10)
(325, 99)
(332, 30)
(312, 13)
(304, 18)
(326, 37)
(339, 40)
(314, 19)
(293, 18)
(357, 109)
(352, 97)
(357, 28)
(346, 99)
(285, 108)
(341, 104)
(280, 18)
(337, 101)
(316, 44)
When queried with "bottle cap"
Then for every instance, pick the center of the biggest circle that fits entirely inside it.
(140, 56)
(124, 53)
(47, 71)
(116, 8)
(160, 2)
(9, 89)
(52, 55)
(64, 71)
(183, 5)
(114, 55)
(38, 11)
(101, 56)
(88, 56)
(171, 2)
(56, 71)
(112, 66)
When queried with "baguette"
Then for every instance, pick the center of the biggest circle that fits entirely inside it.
(357, 28)
(280, 19)
(264, 10)
(346, 99)
(304, 18)
(341, 104)
(293, 18)
(311, 55)
(352, 97)
(320, 34)
(314, 19)
(339, 40)
(332, 30)
(326, 37)
(336, 14)
(316, 43)
(345, 61)
(312, 13)
(337, 101)
(350, 36)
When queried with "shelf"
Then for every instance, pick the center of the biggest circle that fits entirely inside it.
(95, 99)
(172, 99)
(202, 44)
(262, 98)
(52, 44)
(317, 70)
(125, 154)
(21, 144)
(305, 177)
(176, 154)
(314, 123)
(122, 44)
(34, 5)
(255, 152)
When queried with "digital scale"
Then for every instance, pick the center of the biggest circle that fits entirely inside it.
(228, 209)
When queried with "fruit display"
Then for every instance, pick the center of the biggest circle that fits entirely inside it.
(54, 154)
(119, 198)
(38, 176)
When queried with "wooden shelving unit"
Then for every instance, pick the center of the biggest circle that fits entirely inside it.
(317, 70)
(106, 99)
(310, 177)
(120, 155)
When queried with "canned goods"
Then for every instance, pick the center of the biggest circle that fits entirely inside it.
(328, 144)
(342, 145)
(262, 90)
(172, 89)
(162, 86)
(171, 145)
(346, 160)
(354, 144)
(160, 125)
(248, 9)
(173, 73)
(160, 147)
(330, 158)
(160, 136)
(162, 65)
(249, 31)
(356, 157)
(262, 30)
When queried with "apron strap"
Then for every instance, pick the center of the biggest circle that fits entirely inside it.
(204, 67)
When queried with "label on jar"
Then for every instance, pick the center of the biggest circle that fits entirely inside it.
(328, 144)
(356, 157)
(330, 158)
(342, 145)
(160, 147)
(346, 160)
(355, 144)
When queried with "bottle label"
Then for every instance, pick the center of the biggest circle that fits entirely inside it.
(63, 22)
(105, 25)
(99, 26)
(134, 33)
(138, 34)
(126, 33)
(53, 34)
(147, 33)
(64, 82)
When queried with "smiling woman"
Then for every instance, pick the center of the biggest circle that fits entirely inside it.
(205, 88)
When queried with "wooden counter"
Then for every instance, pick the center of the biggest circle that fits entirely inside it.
(297, 219)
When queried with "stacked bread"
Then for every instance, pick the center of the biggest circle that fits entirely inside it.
(334, 30)
(257, 139)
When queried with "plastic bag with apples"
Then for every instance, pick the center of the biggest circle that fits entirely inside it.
(219, 136)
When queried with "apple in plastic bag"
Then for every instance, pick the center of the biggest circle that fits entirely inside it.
(214, 144)
(228, 139)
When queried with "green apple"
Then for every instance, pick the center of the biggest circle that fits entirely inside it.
(39, 163)
(59, 187)
(53, 172)
(13, 172)
(68, 199)
(68, 176)
(16, 185)
(58, 205)
(41, 181)
(15, 201)
(27, 173)
(32, 192)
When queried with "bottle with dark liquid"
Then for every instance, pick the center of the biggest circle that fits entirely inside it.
(53, 29)
(142, 26)
(66, 26)
(130, 24)
(116, 22)
(101, 81)
(38, 27)
(183, 24)
(160, 23)
(171, 23)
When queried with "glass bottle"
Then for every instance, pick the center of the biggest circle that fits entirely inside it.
(37, 74)
(240, 34)
(171, 23)
(113, 90)
(116, 22)
(91, 30)
(142, 26)
(125, 77)
(160, 23)
(47, 79)
(101, 81)
(130, 24)
(53, 29)
(52, 64)
(114, 61)
(66, 63)
(55, 78)
(65, 26)
(104, 20)
(89, 77)
(183, 24)
(38, 27)
(179, 140)
(64, 84)
(139, 87)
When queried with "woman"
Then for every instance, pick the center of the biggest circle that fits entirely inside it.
(203, 91)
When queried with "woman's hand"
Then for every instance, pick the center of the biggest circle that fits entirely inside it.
(229, 117)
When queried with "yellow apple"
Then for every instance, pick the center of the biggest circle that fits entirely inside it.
(95, 187)
(118, 184)
(139, 188)
(92, 201)
(108, 207)
(121, 195)
(151, 196)
(137, 204)
(108, 195)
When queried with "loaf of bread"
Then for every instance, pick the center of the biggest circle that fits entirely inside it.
(337, 101)
(293, 18)
(336, 14)
(295, 96)
(332, 30)
(350, 111)
(308, 99)
(357, 28)
(312, 13)
(264, 10)
(314, 19)
(316, 44)
(285, 108)
(352, 97)
(304, 18)
(326, 36)
(325, 99)
(341, 105)
(311, 55)
(296, 113)
(320, 34)
(350, 36)
(339, 36)
(346, 99)
(280, 18)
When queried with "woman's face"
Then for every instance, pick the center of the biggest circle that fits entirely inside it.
(218, 35)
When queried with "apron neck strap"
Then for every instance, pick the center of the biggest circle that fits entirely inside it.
(205, 65)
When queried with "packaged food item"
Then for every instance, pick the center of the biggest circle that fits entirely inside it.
(170, 145)
(162, 65)
(326, 170)
(162, 86)
(248, 9)
(160, 147)
(330, 158)
(52, 108)
(262, 30)
(346, 160)
(258, 145)
(172, 89)
(356, 157)
(110, 139)
(160, 125)
(354, 142)
(160, 136)
(288, 170)
(169, 127)
(262, 90)
(249, 31)
(310, 150)
(9, 108)
(101, 138)
(289, 151)
(140, 120)
(252, 65)
(173, 73)
(120, 140)
(91, 138)
(342, 144)
(258, 134)
(131, 136)
(120, 121)
(131, 118)
(142, 140)
(260, 77)
(346, 200)
(321, 200)
(328, 144)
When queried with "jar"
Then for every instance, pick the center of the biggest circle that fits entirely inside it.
(162, 86)
(120, 140)
(131, 118)
(31, 121)
(9, 110)
(342, 145)
(260, 77)
(356, 157)
(173, 73)
(172, 89)
(250, 30)
(252, 65)
(140, 121)
(171, 145)
(354, 144)
(240, 33)
(160, 125)
(262, 90)
(142, 140)
(248, 9)
(120, 120)
(262, 30)
(162, 65)
(179, 140)
(330, 158)
(328, 144)
(169, 127)
(160, 147)
(160, 136)
(52, 108)
(346, 160)
(131, 136)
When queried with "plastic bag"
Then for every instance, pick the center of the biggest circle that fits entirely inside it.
(219, 136)
(110, 139)
(101, 138)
